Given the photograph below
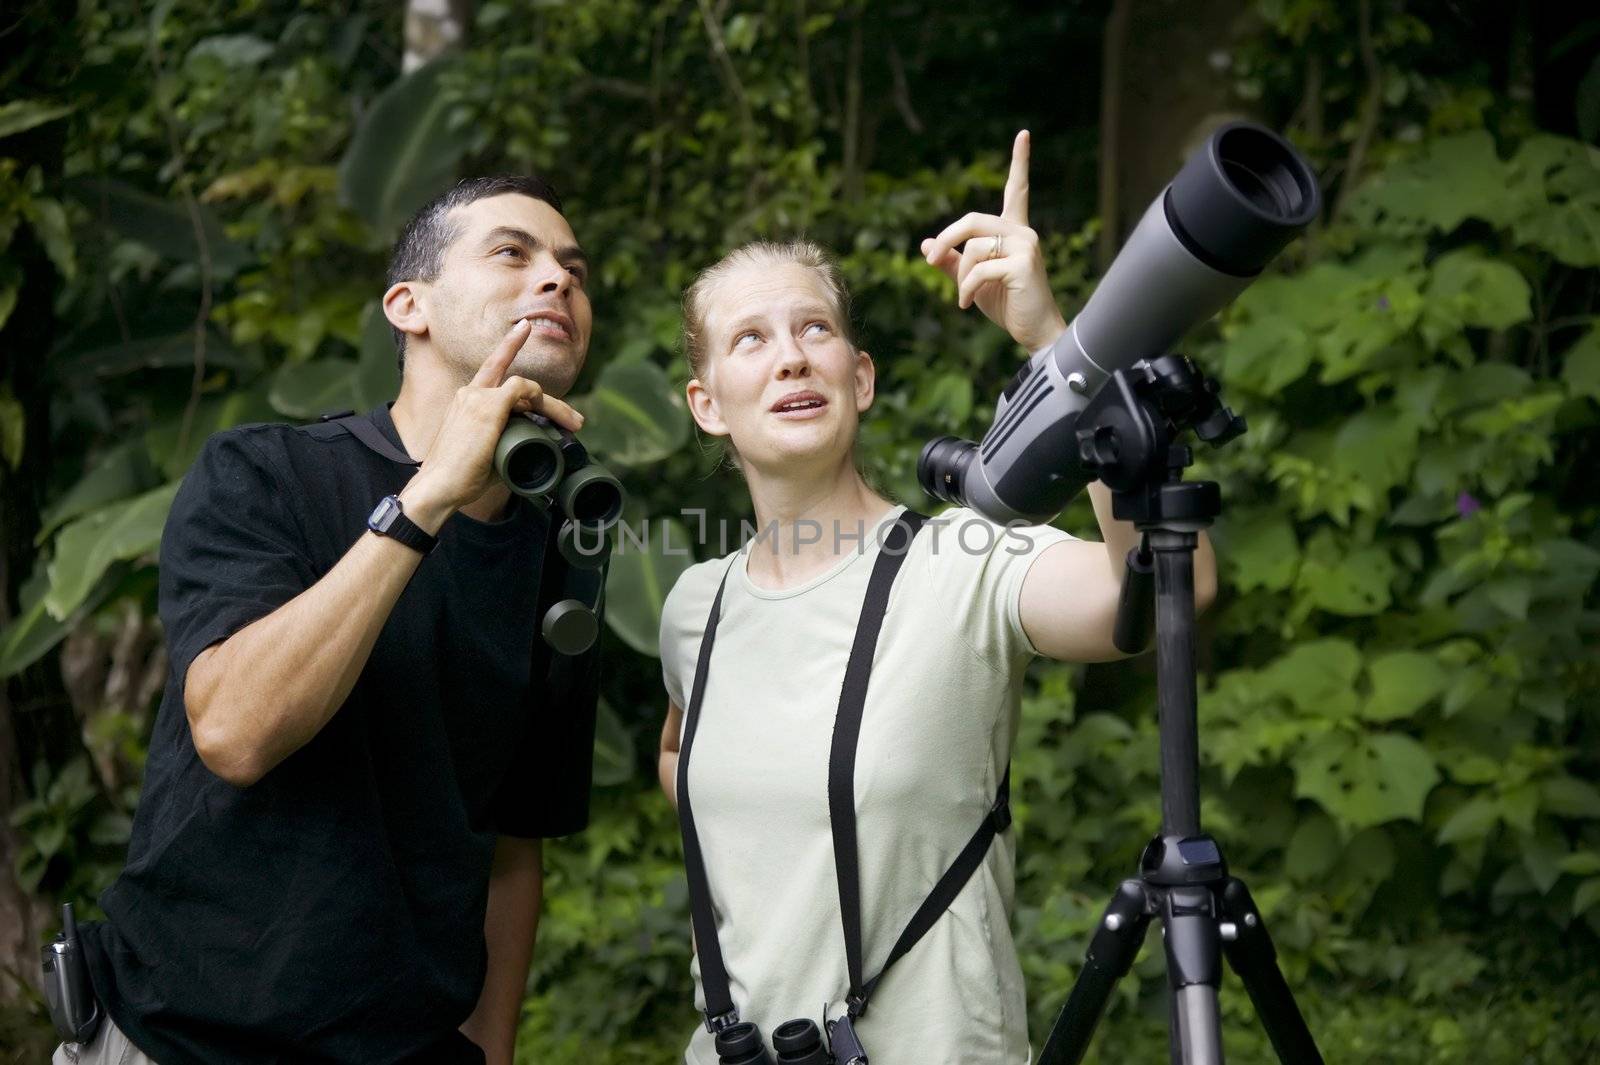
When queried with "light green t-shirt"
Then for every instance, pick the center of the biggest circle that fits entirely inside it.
(936, 735)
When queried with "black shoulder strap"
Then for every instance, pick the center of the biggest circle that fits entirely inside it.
(841, 794)
(720, 1011)
(943, 894)
(847, 732)
(360, 426)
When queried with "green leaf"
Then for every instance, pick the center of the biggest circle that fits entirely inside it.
(232, 49)
(21, 115)
(1402, 683)
(1554, 198)
(1261, 550)
(1567, 796)
(613, 748)
(1479, 291)
(1366, 780)
(118, 474)
(212, 415)
(1314, 847)
(1451, 179)
(1354, 585)
(155, 352)
(89, 546)
(1542, 852)
(1586, 896)
(49, 221)
(1267, 354)
(648, 559)
(405, 150)
(377, 365)
(1379, 444)
(30, 869)
(633, 416)
(1472, 820)
(9, 291)
(29, 635)
(166, 227)
(1318, 677)
(1512, 595)
(1581, 863)
(1482, 385)
(309, 389)
(48, 840)
(1581, 370)
(1370, 856)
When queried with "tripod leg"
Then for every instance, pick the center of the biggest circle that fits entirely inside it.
(1199, 1025)
(1194, 970)
(1252, 956)
(1110, 956)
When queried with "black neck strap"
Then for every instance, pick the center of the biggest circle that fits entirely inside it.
(720, 1010)
(362, 427)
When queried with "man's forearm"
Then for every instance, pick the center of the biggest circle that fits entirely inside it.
(261, 694)
(510, 925)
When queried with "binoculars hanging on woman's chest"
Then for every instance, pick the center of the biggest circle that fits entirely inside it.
(796, 1042)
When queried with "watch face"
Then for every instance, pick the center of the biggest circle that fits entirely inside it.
(383, 515)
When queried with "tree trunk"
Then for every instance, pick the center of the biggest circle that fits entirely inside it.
(433, 27)
(1166, 86)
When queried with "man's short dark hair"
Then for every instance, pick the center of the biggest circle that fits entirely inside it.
(419, 252)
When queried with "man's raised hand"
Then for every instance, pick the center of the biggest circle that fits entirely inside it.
(459, 466)
(999, 265)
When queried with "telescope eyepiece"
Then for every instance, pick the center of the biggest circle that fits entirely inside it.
(942, 467)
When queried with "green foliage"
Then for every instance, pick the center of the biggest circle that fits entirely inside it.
(73, 843)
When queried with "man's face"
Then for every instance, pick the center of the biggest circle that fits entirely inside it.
(513, 257)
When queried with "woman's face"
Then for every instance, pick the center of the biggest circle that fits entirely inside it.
(780, 379)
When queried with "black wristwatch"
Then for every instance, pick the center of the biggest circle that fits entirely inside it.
(388, 519)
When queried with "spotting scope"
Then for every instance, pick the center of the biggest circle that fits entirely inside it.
(1234, 205)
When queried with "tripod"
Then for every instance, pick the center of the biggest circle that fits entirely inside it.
(1127, 436)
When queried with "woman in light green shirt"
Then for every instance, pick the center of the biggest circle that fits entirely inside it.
(777, 375)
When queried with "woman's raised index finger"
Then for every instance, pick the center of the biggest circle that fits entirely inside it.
(493, 371)
(1015, 205)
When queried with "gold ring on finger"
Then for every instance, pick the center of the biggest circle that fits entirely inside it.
(995, 252)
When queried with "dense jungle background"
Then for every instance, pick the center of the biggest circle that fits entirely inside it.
(1399, 712)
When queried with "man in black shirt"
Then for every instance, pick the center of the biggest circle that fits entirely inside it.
(336, 856)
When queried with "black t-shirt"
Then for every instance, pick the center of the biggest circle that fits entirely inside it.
(333, 911)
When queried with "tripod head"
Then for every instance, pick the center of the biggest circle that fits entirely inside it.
(1128, 437)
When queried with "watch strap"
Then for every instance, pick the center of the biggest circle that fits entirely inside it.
(389, 519)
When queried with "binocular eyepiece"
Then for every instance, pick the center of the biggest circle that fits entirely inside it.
(796, 1042)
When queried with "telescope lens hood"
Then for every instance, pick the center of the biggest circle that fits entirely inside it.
(1241, 198)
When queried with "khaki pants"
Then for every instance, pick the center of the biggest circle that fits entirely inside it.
(108, 1047)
